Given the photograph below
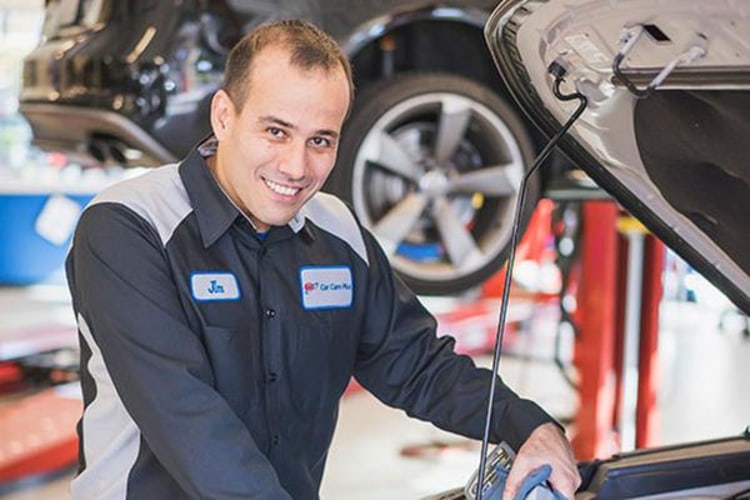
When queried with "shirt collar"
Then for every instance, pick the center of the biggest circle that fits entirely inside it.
(214, 211)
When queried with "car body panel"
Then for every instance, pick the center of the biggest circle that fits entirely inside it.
(677, 158)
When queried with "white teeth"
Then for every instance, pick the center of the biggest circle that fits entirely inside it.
(278, 188)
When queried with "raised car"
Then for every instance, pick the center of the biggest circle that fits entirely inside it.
(432, 154)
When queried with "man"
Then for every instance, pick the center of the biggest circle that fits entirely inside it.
(223, 305)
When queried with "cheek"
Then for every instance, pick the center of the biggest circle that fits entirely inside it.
(322, 165)
(250, 158)
(261, 156)
(244, 171)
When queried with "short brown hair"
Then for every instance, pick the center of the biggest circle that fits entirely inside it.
(309, 47)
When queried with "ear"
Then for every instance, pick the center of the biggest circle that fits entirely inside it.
(222, 114)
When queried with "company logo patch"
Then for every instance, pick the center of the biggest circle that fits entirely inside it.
(326, 287)
(214, 286)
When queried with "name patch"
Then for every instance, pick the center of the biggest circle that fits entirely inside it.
(214, 286)
(326, 287)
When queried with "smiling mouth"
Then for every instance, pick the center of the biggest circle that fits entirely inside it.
(278, 188)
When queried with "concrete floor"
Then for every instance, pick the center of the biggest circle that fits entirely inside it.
(703, 394)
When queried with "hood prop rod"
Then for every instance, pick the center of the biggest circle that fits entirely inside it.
(558, 72)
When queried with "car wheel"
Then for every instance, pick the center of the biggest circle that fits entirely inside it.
(432, 164)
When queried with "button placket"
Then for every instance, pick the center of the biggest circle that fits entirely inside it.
(272, 348)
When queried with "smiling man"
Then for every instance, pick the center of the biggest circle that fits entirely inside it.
(223, 304)
(277, 147)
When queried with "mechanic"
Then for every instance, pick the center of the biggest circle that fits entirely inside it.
(223, 304)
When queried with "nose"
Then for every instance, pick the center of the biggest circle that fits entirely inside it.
(293, 161)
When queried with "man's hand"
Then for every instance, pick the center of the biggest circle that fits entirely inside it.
(545, 445)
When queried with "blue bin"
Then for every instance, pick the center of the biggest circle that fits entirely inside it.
(26, 256)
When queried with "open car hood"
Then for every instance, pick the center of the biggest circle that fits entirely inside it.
(678, 157)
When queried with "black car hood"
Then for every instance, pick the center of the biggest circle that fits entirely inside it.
(677, 156)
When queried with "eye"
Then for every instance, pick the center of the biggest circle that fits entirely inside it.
(276, 132)
(321, 142)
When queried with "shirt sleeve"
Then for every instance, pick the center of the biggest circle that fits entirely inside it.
(125, 298)
(403, 363)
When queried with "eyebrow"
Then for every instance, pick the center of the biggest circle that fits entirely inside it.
(282, 123)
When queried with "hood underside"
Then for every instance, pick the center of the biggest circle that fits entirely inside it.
(667, 128)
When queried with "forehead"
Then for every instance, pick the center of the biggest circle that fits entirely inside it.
(295, 94)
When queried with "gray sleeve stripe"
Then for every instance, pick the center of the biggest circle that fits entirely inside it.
(158, 196)
(332, 215)
(111, 441)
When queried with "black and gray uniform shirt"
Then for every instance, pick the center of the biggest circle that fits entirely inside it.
(213, 360)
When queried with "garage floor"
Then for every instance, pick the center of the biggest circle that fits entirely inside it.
(703, 394)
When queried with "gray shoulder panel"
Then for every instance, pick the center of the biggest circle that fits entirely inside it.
(332, 215)
(158, 196)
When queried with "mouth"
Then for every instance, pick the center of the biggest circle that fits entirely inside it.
(281, 189)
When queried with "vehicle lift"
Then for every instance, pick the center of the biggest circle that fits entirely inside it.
(618, 324)
(616, 279)
(40, 406)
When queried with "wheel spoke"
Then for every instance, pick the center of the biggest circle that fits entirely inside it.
(498, 180)
(396, 224)
(456, 238)
(454, 118)
(386, 151)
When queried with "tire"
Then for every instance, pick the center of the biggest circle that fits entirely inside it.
(441, 206)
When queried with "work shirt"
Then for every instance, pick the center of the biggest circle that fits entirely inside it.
(213, 360)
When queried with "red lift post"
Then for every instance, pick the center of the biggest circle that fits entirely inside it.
(615, 352)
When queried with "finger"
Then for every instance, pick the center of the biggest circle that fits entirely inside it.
(511, 490)
(565, 480)
(512, 485)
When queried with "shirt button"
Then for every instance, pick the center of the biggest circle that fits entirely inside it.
(270, 313)
(273, 377)
(275, 439)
